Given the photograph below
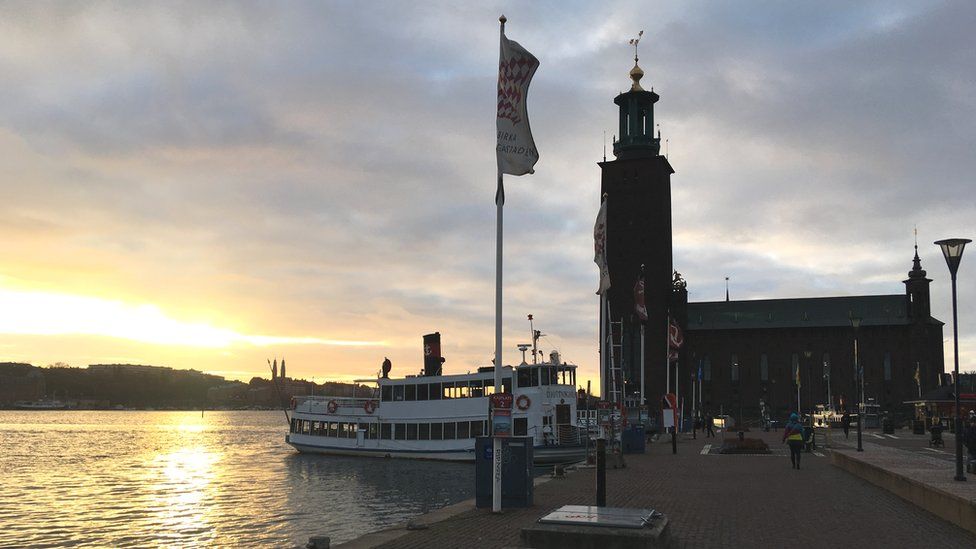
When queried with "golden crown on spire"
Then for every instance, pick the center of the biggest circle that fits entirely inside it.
(636, 73)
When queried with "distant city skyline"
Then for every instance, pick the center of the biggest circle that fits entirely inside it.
(209, 186)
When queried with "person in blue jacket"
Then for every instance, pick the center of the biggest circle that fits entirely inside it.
(793, 435)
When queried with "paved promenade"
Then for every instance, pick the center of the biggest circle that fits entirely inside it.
(715, 500)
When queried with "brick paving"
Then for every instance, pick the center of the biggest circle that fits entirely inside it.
(722, 501)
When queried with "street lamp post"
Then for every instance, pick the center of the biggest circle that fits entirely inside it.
(952, 249)
(856, 323)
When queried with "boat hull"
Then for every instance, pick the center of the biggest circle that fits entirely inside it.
(542, 455)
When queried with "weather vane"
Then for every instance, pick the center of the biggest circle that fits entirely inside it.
(634, 42)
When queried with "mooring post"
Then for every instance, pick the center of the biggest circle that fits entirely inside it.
(601, 472)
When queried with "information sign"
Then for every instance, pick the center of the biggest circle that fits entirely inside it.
(501, 414)
(669, 410)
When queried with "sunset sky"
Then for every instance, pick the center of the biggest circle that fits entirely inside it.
(209, 185)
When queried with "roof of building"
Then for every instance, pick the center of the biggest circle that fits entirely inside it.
(810, 312)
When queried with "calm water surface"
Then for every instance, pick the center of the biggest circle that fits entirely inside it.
(77, 478)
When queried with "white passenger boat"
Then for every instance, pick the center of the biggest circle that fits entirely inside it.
(439, 416)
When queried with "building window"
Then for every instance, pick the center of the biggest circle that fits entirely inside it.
(763, 368)
(734, 367)
(887, 366)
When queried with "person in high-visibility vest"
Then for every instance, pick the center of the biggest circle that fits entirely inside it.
(793, 435)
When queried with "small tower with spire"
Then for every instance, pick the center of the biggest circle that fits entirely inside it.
(917, 290)
(636, 116)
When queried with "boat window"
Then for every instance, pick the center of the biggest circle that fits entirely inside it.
(448, 389)
(371, 433)
(387, 393)
(545, 377)
(463, 429)
(386, 431)
(333, 427)
(520, 426)
(436, 432)
(506, 385)
(422, 391)
(398, 393)
(463, 390)
(476, 429)
(315, 427)
(411, 431)
(341, 433)
(477, 388)
(411, 392)
(489, 386)
(435, 391)
(399, 431)
(526, 377)
(424, 433)
(449, 431)
(294, 425)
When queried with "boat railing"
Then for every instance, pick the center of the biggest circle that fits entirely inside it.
(564, 435)
(339, 400)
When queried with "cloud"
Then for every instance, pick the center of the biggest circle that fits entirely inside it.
(327, 168)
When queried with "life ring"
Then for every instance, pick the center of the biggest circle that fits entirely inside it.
(333, 406)
(523, 402)
(369, 406)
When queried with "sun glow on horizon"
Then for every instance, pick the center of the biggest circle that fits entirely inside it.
(44, 313)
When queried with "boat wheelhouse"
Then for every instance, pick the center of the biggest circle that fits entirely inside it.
(439, 416)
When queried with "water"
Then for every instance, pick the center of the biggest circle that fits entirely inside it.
(112, 478)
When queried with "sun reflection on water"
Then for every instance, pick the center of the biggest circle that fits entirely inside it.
(183, 484)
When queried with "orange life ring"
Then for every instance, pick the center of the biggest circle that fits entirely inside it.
(523, 402)
(369, 406)
(333, 406)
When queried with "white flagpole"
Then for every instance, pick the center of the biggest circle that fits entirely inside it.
(643, 400)
(496, 492)
(677, 397)
(496, 447)
(603, 348)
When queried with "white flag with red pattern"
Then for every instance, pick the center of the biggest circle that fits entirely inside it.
(515, 151)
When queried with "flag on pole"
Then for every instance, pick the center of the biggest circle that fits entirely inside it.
(600, 247)
(515, 152)
(797, 377)
(675, 340)
(639, 307)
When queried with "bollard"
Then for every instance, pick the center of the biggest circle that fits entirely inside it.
(601, 472)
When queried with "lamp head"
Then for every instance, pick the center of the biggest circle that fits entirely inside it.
(952, 249)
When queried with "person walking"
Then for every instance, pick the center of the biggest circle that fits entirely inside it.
(708, 425)
(793, 435)
(969, 440)
(845, 422)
